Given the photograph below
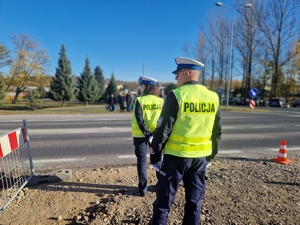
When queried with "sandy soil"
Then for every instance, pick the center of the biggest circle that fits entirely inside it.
(239, 191)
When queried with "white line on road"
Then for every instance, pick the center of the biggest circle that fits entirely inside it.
(287, 148)
(59, 160)
(258, 127)
(228, 128)
(220, 152)
(122, 130)
(128, 156)
(224, 152)
(79, 131)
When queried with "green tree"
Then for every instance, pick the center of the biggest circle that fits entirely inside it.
(35, 99)
(87, 85)
(28, 64)
(5, 59)
(2, 88)
(99, 78)
(111, 87)
(62, 87)
(41, 92)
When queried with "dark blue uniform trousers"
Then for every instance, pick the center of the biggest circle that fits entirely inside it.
(140, 145)
(174, 169)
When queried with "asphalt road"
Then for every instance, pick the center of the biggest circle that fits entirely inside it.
(70, 141)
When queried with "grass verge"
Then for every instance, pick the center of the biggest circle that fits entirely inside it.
(52, 107)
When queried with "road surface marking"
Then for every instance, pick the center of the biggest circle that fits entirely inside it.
(258, 127)
(58, 160)
(222, 152)
(80, 130)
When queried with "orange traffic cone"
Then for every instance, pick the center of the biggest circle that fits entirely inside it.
(282, 156)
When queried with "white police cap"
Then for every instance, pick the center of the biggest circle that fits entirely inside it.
(146, 80)
(187, 63)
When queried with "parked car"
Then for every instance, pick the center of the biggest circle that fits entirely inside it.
(277, 102)
(244, 101)
(235, 101)
(285, 105)
(258, 101)
(296, 103)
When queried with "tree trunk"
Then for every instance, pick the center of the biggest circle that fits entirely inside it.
(17, 93)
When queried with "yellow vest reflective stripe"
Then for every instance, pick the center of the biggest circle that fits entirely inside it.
(191, 140)
(192, 131)
(188, 151)
(151, 108)
(136, 131)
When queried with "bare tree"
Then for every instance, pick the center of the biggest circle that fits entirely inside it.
(186, 48)
(246, 34)
(201, 53)
(297, 59)
(29, 62)
(215, 49)
(223, 49)
(212, 48)
(279, 27)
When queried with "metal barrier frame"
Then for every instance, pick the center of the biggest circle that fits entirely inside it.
(17, 161)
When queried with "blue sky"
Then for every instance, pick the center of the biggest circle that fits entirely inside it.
(124, 37)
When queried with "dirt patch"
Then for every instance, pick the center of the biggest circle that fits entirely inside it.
(239, 191)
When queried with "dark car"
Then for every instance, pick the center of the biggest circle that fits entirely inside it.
(235, 101)
(258, 101)
(296, 103)
(277, 102)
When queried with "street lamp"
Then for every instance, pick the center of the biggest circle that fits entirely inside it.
(248, 5)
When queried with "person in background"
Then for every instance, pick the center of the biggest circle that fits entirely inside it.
(188, 133)
(129, 101)
(162, 93)
(132, 101)
(147, 110)
(111, 102)
(121, 101)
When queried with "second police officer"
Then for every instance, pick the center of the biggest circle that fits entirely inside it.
(147, 110)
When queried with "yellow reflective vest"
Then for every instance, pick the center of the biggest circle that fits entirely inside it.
(192, 131)
(151, 108)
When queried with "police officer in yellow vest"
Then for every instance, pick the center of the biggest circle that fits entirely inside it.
(147, 110)
(188, 133)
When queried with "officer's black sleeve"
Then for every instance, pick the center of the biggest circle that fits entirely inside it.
(140, 121)
(165, 123)
(216, 135)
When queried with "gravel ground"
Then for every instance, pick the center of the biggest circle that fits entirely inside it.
(239, 191)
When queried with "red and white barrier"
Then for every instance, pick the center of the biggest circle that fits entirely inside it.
(252, 104)
(12, 141)
(16, 167)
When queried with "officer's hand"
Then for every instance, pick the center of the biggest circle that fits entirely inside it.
(150, 140)
(154, 157)
(208, 164)
(156, 166)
